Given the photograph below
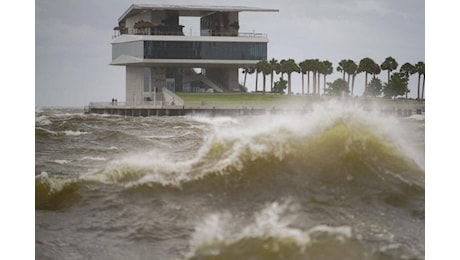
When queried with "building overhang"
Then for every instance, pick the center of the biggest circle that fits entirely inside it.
(124, 60)
(189, 10)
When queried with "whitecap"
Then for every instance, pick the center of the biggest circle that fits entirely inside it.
(42, 121)
(417, 117)
(61, 161)
(92, 158)
(74, 133)
(224, 229)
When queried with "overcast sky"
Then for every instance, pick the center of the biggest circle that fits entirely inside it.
(73, 51)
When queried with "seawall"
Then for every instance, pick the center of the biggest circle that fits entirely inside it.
(224, 111)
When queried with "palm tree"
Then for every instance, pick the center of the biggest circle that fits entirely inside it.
(353, 80)
(368, 65)
(389, 64)
(258, 68)
(314, 69)
(407, 70)
(320, 66)
(282, 67)
(420, 69)
(326, 69)
(423, 85)
(308, 68)
(247, 70)
(274, 64)
(350, 68)
(290, 66)
(342, 67)
(264, 67)
(303, 69)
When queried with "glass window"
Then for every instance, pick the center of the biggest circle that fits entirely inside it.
(205, 50)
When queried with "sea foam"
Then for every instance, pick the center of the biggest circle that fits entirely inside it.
(271, 226)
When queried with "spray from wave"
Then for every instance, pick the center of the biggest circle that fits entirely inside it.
(337, 139)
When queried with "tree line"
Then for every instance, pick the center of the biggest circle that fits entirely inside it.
(396, 85)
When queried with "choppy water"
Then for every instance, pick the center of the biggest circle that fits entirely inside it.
(335, 183)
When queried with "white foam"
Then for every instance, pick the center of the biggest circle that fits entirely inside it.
(61, 161)
(74, 133)
(92, 158)
(42, 121)
(55, 184)
(226, 229)
(417, 117)
(48, 131)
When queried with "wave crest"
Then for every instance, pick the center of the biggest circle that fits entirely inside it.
(271, 235)
(55, 193)
(335, 146)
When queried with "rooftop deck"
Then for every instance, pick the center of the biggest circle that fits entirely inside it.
(189, 10)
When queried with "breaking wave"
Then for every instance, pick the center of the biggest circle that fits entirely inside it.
(55, 193)
(338, 146)
(341, 143)
(271, 234)
(43, 132)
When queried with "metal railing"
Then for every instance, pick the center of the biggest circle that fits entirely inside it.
(198, 34)
(153, 104)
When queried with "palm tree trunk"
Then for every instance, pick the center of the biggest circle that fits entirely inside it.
(308, 82)
(289, 83)
(343, 74)
(257, 76)
(314, 82)
(263, 91)
(348, 82)
(271, 86)
(389, 71)
(303, 85)
(365, 85)
(423, 87)
(418, 88)
(324, 84)
(353, 84)
(319, 84)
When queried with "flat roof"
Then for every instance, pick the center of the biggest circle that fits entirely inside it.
(190, 10)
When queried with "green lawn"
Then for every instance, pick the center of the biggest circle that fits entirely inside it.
(257, 99)
(238, 98)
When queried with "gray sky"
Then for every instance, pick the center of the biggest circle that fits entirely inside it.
(73, 51)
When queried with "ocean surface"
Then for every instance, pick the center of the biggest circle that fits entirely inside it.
(338, 182)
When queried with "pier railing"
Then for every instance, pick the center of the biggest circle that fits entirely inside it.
(397, 108)
(140, 104)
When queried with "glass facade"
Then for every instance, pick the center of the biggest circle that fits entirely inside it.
(127, 48)
(205, 50)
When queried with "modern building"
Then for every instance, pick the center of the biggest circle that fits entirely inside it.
(159, 58)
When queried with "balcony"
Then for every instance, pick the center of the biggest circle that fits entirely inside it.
(178, 31)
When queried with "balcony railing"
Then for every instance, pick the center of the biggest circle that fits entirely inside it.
(197, 34)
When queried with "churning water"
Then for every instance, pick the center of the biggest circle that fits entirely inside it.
(338, 182)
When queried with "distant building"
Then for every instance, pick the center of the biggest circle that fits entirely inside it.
(157, 54)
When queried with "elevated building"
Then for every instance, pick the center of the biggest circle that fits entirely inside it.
(160, 58)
